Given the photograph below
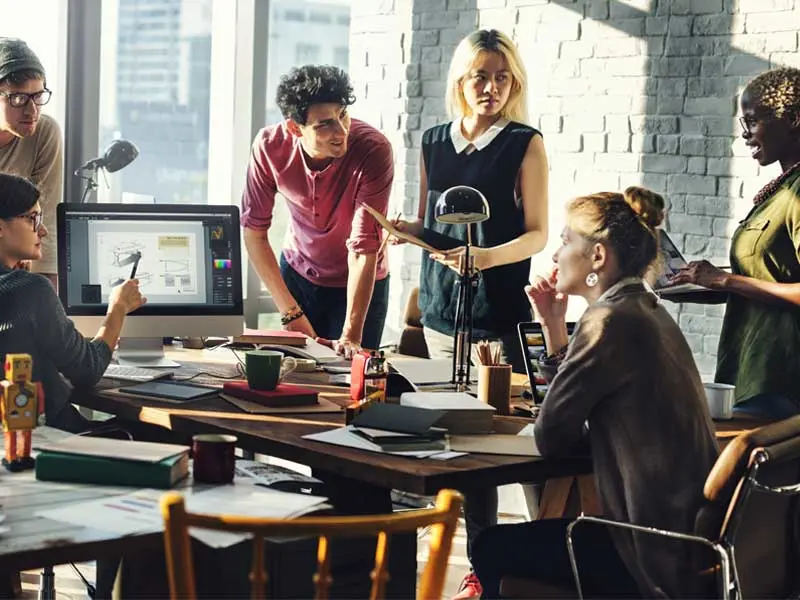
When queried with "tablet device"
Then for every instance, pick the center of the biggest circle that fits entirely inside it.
(531, 338)
(170, 391)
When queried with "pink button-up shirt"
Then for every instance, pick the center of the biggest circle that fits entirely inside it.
(327, 218)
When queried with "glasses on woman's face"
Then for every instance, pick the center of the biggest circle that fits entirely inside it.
(21, 99)
(34, 218)
(747, 123)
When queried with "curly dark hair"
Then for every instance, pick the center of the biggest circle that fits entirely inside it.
(778, 92)
(312, 84)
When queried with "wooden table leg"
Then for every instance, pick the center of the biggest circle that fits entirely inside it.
(557, 493)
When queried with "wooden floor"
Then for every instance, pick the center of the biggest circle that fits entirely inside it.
(70, 587)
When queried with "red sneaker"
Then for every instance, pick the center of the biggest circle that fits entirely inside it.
(470, 587)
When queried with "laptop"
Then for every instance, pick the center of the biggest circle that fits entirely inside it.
(531, 338)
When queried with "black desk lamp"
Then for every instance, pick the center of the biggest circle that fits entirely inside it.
(463, 205)
(118, 155)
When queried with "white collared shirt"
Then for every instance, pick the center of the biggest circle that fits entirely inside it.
(460, 143)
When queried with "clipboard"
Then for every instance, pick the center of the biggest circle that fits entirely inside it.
(393, 231)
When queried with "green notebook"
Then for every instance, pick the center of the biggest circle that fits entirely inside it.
(77, 468)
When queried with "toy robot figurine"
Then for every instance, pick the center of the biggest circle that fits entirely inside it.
(21, 405)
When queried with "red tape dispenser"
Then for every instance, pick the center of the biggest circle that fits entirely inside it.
(367, 382)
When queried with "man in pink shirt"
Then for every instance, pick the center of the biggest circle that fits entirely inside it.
(332, 279)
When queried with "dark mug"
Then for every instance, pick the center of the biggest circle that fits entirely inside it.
(214, 458)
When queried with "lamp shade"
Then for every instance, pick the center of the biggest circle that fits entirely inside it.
(461, 204)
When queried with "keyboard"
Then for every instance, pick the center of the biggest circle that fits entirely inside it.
(127, 373)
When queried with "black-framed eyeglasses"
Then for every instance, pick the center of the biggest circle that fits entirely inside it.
(34, 218)
(20, 99)
(748, 123)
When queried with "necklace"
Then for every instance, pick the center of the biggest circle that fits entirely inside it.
(773, 185)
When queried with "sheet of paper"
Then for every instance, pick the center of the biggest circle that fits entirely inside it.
(139, 512)
(344, 436)
(393, 231)
(108, 448)
(424, 371)
(495, 443)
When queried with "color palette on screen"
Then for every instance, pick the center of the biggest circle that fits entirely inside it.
(222, 263)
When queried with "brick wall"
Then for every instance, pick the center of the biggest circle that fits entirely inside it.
(634, 92)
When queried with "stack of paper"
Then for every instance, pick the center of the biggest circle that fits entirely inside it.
(464, 414)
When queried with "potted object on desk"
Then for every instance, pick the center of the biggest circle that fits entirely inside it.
(22, 403)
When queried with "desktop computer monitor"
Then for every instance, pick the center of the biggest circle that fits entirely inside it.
(188, 263)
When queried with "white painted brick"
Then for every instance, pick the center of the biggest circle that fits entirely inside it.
(718, 249)
(550, 123)
(597, 9)
(589, 182)
(433, 88)
(750, 43)
(622, 47)
(576, 49)
(743, 64)
(739, 166)
(680, 26)
(436, 5)
(730, 187)
(710, 106)
(771, 22)
(784, 59)
(564, 142)
(664, 163)
(700, 324)
(669, 105)
(707, 125)
(597, 30)
(617, 124)
(668, 144)
(457, 4)
(619, 142)
(691, 184)
(705, 146)
(431, 55)
(618, 162)
(710, 344)
(722, 227)
(658, 183)
(697, 165)
(781, 42)
(656, 25)
(695, 7)
(481, 4)
(564, 31)
(584, 122)
(694, 245)
(715, 310)
(468, 20)
(497, 18)
(438, 20)
(718, 24)
(630, 9)
(675, 67)
(594, 142)
(643, 105)
(643, 142)
(646, 124)
(750, 6)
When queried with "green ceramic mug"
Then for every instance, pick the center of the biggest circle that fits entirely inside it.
(265, 368)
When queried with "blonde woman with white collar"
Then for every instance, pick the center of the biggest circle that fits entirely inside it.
(487, 146)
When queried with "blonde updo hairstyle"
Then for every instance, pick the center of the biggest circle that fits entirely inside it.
(626, 223)
(464, 57)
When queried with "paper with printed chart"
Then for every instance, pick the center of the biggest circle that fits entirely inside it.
(140, 513)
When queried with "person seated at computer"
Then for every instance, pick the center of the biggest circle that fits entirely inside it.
(32, 319)
(332, 280)
(627, 383)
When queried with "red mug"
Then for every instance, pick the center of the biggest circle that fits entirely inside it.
(214, 458)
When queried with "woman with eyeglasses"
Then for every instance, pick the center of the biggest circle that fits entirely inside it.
(32, 320)
(760, 340)
(30, 142)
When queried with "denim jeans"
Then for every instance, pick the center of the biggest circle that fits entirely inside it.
(326, 307)
(775, 406)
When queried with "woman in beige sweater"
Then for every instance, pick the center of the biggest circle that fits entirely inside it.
(626, 383)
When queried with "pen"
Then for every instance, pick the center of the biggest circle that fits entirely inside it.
(135, 265)
(388, 235)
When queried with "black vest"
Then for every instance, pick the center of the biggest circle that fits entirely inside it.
(499, 302)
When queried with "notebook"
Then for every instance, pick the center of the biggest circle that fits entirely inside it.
(170, 391)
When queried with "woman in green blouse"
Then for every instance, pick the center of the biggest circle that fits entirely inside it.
(759, 347)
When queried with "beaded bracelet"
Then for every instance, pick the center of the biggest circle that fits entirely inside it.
(292, 316)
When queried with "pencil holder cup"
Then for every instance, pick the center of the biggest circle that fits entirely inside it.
(494, 387)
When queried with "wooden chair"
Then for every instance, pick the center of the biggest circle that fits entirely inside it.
(748, 525)
(443, 519)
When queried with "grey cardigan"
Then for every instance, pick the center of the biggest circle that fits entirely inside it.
(628, 374)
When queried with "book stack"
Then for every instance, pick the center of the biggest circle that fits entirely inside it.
(80, 459)
(462, 413)
(398, 428)
(275, 337)
(284, 394)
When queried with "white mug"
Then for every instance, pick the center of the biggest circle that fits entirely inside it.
(720, 398)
